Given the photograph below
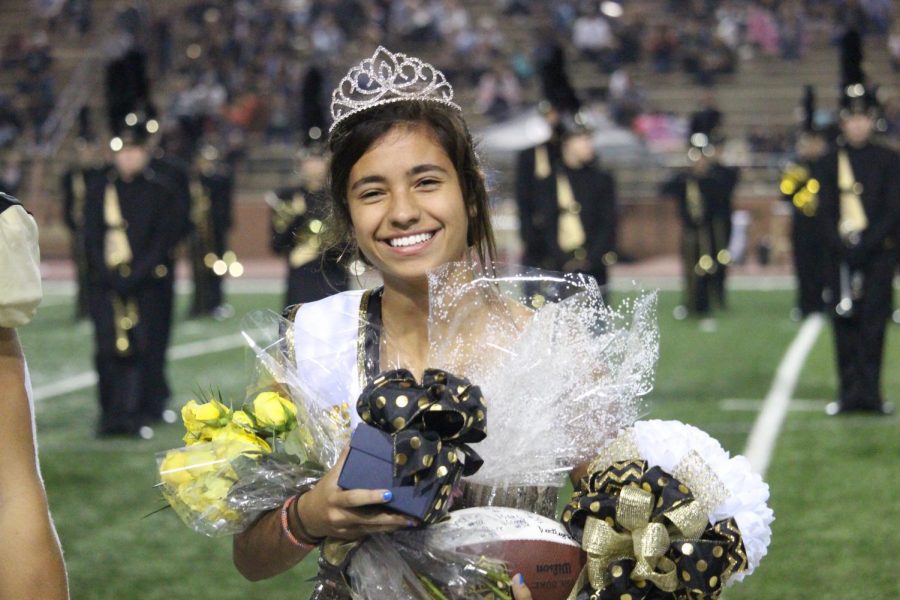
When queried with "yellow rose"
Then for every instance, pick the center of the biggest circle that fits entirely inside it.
(205, 499)
(172, 469)
(242, 419)
(233, 440)
(202, 435)
(184, 466)
(273, 411)
(196, 416)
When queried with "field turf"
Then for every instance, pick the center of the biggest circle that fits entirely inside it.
(833, 480)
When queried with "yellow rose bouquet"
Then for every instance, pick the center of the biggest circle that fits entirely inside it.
(239, 461)
(236, 463)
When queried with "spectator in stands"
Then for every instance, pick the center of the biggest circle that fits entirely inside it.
(516, 7)
(625, 98)
(412, 21)
(13, 52)
(878, 14)
(629, 34)
(327, 38)
(36, 59)
(563, 15)
(280, 126)
(453, 19)
(762, 28)
(730, 23)
(245, 110)
(718, 60)
(662, 44)
(693, 45)
(792, 29)
(48, 11)
(521, 64)
(894, 46)
(35, 87)
(10, 122)
(499, 92)
(592, 36)
(80, 14)
(849, 15)
(10, 172)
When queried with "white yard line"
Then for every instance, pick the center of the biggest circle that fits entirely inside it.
(753, 405)
(180, 352)
(768, 424)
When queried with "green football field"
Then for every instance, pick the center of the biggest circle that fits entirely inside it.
(833, 482)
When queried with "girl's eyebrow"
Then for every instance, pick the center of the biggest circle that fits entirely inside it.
(365, 180)
(416, 170)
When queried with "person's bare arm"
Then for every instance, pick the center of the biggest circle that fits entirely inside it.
(31, 563)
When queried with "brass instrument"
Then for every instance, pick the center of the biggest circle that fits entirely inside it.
(307, 243)
(205, 256)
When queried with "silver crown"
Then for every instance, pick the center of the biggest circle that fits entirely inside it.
(387, 78)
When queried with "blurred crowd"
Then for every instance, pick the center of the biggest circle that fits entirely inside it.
(224, 70)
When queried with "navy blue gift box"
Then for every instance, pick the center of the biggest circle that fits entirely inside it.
(370, 466)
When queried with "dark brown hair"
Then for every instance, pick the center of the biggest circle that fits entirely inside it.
(353, 137)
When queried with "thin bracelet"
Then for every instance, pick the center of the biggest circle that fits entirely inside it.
(286, 528)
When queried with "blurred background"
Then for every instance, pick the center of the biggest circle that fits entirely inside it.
(239, 91)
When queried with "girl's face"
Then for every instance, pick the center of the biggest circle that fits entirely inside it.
(406, 205)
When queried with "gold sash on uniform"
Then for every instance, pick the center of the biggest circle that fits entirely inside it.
(694, 200)
(79, 190)
(541, 162)
(570, 231)
(116, 249)
(853, 218)
(117, 255)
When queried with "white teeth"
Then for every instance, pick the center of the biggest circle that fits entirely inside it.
(410, 240)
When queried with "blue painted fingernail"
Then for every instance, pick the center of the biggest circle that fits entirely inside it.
(388, 496)
(411, 524)
(520, 579)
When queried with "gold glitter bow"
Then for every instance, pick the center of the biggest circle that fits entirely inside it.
(644, 533)
(645, 541)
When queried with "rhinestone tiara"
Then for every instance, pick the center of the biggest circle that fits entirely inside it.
(387, 77)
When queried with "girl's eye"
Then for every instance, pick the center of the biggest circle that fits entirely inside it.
(429, 183)
(369, 194)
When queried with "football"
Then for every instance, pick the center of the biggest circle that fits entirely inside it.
(537, 547)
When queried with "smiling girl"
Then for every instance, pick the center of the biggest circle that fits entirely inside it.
(409, 196)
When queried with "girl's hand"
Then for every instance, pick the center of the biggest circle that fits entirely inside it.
(329, 511)
(519, 589)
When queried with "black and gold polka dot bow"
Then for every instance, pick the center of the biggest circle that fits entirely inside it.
(647, 538)
(431, 424)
